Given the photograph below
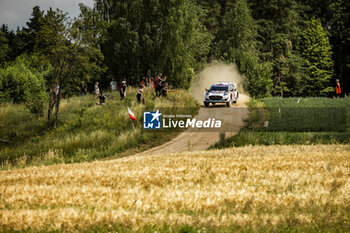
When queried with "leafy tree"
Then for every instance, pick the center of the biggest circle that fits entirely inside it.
(88, 31)
(185, 39)
(15, 42)
(316, 50)
(279, 34)
(72, 58)
(164, 36)
(4, 48)
(335, 18)
(238, 45)
(23, 81)
(339, 27)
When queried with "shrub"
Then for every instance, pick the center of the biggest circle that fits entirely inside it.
(21, 83)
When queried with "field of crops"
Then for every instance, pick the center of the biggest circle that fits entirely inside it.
(247, 186)
(291, 121)
(308, 114)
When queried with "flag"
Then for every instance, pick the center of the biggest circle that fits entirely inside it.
(132, 115)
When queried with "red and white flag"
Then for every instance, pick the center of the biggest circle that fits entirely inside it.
(132, 115)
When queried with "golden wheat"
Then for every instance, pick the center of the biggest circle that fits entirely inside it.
(245, 186)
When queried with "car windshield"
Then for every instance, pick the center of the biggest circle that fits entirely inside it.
(219, 88)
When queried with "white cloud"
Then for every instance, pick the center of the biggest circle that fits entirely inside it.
(17, 12)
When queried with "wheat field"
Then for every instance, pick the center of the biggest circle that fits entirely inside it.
(254, 185)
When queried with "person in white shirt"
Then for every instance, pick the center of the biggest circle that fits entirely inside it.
(97, 89)
(113, 85)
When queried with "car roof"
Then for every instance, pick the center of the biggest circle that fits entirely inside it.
(225, 82)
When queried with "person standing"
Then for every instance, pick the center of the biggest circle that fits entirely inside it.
(113, 85)
(122, 87)
(337, 89)
(140, 94)
(83, 88)
(156, 83)
(97, 89)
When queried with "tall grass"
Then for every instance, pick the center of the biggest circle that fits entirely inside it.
(306, 121)
(85, 131)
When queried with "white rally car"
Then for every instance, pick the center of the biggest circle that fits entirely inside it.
(222, 92)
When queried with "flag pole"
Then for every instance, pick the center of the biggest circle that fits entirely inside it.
(132, 124)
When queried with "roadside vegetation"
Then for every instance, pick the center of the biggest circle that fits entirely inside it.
(85, 131)
(248, 189)
(306, 121)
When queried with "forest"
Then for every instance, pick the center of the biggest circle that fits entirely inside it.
(284, 48)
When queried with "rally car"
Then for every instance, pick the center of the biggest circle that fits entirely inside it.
(222, 92)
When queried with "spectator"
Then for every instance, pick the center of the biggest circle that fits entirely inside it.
(160, 86)
(113, 85)
(156, 82)
(102, 99)
(82, 88)
(122, 89)
(140, 94)
(148, 78)
(142, 81)
(97, 89)
(165, 90)
(337, 89)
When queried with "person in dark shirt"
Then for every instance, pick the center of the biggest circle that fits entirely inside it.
(122, 89)
(83, 88)
(165, 90)
(102, 99)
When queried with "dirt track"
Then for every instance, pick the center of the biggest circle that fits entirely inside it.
(200, 140)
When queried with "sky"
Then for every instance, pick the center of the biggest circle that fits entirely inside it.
(17, 12)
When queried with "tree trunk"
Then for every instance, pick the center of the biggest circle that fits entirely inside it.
(57, 105)
(51, 103)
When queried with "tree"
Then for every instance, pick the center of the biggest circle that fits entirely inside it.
(317, 51)
(279, 31)
(71, 57)
(33, 27)
(185, 43)
(339, 28)
(238, 45)
(4, 48)
(164, 36)
(88, 31)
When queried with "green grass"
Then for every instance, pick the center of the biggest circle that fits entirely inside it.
(85, 131)
(310, 121)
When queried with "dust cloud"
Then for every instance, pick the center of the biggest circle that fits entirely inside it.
(213, 73)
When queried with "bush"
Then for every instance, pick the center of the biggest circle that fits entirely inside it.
(21, 83)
